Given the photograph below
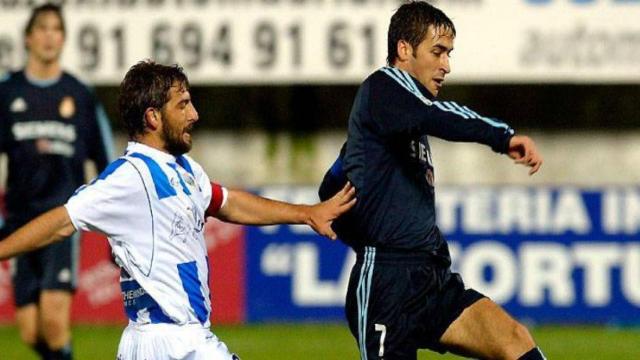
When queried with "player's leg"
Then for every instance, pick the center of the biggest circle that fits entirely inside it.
(26, 290)
(379, 308)
(55, 315)
(58, 283)
(27, 322)
(484, 330)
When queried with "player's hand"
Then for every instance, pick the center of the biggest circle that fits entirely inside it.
(322, 214)
(524, 151)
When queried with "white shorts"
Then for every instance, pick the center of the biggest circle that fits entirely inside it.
(171, 342)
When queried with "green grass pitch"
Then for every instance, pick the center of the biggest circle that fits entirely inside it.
(333, 341)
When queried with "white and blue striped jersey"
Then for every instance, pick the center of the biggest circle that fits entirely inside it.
(152, 207)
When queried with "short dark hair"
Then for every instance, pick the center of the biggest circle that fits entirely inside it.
(44, 8)
(411, 22)
(146, 85)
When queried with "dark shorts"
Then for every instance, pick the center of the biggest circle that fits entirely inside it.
(53, 267)
(398, 303)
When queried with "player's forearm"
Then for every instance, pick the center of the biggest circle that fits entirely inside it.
(464, 125)
(47, 228)
(249, 209)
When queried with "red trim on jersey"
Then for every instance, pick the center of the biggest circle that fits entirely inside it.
(217, 196)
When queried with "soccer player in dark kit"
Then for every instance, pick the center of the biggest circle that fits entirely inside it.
(50, 124)
(402, 294)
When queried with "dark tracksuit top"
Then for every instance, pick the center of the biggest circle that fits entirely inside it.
(48, 129)
(388, 159)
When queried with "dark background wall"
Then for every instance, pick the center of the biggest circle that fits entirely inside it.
(309, 108)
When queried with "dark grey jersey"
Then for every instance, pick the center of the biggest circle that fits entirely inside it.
(388, 159)
(48, 129)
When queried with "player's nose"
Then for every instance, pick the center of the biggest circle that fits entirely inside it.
(193, 114)
(445, 65)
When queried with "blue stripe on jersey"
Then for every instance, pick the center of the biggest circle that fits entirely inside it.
(184, 186)
(446, 106)
(182, 161)
(405, 80)
(136, 299)
(192, 286)
(160, 179)
(467, 113)
(111, 168)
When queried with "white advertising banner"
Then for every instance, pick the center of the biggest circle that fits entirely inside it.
(336, 41)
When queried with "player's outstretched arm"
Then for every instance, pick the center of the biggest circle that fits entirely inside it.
(249, 209)
(524, 151)
(52, 226)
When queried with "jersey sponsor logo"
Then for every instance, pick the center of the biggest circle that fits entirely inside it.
(129, 296)
(51, 137)
(182, 229)
(45, 146)
(18, 105)
(179, 228)
(67, 107)
(419, 150)
(51, 129)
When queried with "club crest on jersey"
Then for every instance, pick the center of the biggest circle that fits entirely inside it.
(18, 105)
(189, 179)
(67, 107)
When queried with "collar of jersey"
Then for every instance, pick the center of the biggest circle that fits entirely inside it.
(158, 155)
(423, 90)
(41, 83)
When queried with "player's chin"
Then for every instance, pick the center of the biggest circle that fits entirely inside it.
(434, 90)
(187, 144)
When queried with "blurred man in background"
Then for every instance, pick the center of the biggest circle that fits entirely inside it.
(50, 124)
(402, 294)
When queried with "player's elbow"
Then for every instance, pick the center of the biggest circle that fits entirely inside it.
(65, 232)
(63, 224)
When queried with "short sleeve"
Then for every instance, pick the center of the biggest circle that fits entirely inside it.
(104, 205)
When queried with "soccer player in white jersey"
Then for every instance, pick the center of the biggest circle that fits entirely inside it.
(152, 204)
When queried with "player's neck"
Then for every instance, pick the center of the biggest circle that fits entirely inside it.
(43, 70)
(151, 141)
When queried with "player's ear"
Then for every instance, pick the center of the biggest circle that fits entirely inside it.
(152, 118)
(404, 49)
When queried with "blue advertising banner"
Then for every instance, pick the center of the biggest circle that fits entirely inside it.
(547, 254)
